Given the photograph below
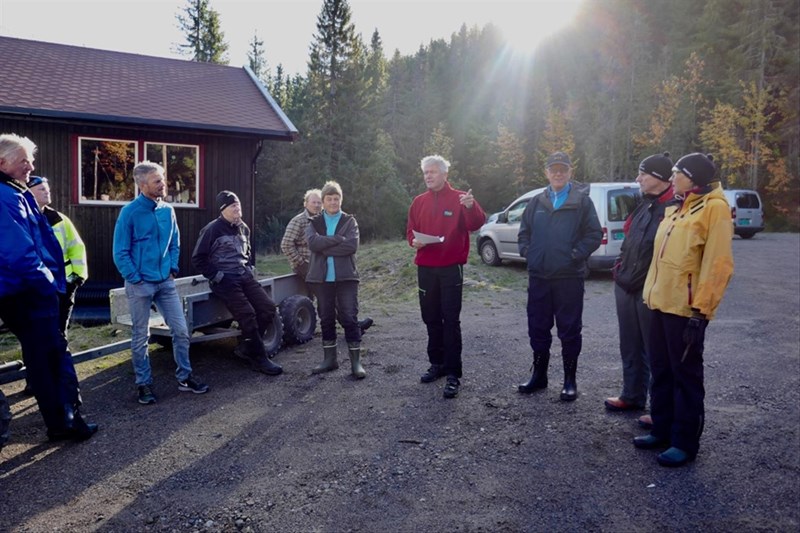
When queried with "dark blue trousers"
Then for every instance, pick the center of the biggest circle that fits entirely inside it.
(34, 319)
(337, 300)
(440, 292)
(560, 300)
(676, 393)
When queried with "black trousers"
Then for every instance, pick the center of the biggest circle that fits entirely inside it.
(676, 393)
(34, 319)
(337, 300)
(440, 292)
(559, 299)
(66, 302)
(247, 301)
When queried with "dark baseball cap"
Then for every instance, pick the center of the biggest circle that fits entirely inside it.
(558, 158)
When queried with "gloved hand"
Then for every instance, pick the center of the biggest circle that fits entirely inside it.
(75, 279)
(695, 331)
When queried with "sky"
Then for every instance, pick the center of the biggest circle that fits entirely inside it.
(287, 27)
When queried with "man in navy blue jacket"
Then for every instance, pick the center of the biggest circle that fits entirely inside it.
(558, 233)
(31, 279)
(146, 252)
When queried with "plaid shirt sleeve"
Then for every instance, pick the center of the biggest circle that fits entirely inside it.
(294, 245)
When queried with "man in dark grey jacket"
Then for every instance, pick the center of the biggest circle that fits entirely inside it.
(558, 233)
(630, 272)
(223, 255)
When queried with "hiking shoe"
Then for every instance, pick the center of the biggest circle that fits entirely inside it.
(451, 389)
(433, 373)
(674, 457)
(192, 385)
(146, 396)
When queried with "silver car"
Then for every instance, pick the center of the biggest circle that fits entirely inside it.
(497, 240)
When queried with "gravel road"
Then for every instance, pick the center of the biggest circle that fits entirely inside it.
(328, 453)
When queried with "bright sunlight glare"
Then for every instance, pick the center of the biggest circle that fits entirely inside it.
(527, 23)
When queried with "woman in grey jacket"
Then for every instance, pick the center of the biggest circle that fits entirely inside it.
(332, 275)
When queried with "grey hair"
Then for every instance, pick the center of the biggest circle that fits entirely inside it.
(144, 169)
(330, 188)
(309, 192)
(11, 142)
(441, 162)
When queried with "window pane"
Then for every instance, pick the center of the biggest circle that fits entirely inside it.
(106, 170)
(181, 164)
(621, 203)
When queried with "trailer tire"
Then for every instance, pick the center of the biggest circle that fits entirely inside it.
(299, 319)
(273, 336)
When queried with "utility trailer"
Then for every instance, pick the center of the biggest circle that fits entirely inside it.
(208, 319)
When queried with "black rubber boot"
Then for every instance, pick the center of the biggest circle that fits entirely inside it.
(329, 363)
(355, 360)
(570, 391)
(538, 379)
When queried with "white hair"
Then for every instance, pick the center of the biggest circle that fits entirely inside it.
(441, 162)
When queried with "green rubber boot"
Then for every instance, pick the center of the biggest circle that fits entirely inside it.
(355, 360)
(329, 363)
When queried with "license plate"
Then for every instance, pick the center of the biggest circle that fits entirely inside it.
(744, 221)
(618, 235)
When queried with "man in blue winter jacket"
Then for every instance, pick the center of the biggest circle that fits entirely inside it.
(146, 252)
(31, 279)
(558, 233)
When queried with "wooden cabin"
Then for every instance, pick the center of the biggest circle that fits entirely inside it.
(95, 113)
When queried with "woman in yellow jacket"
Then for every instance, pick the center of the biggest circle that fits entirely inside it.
(691, 267)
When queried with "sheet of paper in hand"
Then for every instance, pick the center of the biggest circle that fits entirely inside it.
(424, 238)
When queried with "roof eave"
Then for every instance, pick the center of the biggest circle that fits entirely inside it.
(275, 107)
(287, 135)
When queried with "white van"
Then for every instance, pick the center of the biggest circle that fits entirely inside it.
(747, 212)
(497, 240)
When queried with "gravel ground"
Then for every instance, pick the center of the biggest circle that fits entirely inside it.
(328, 453)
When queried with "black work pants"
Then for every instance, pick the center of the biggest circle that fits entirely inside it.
(677, 393)
(247, 301)
(34, 319)
(440, 292)
(66, 302)
(559, 299)
(337, 299)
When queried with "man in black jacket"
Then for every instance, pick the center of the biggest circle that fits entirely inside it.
(223, 255)
(558, 233)
(630, 271)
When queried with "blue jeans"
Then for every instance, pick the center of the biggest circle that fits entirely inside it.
(140, 297)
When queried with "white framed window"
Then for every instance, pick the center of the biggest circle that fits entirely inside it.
(105, 170)
(182, 165)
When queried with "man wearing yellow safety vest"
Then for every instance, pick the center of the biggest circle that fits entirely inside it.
(71, 243)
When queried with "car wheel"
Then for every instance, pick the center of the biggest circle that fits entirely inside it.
(489, 253)
(747, 235)
(299, 319)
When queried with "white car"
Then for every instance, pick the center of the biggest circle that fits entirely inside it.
(497, 240)
(747, 212)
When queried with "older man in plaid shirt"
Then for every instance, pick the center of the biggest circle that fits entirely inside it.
(294, 245)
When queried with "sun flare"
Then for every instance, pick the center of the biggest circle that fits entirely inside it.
(526, 23)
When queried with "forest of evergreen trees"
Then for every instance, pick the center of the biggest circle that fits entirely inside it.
(627, 79)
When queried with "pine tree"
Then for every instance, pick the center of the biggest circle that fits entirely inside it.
(257, 61)
(205, 40)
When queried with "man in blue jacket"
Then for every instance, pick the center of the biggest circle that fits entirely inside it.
(558, 233)
(31, 279)
(146, 251)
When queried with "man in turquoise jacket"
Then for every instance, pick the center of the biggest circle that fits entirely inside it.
(146, 252)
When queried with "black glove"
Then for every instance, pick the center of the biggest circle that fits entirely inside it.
(695, 331)
(75, 279)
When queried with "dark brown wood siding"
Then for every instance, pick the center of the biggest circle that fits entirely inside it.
(226, 164)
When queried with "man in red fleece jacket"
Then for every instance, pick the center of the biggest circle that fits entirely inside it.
(450, 215)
